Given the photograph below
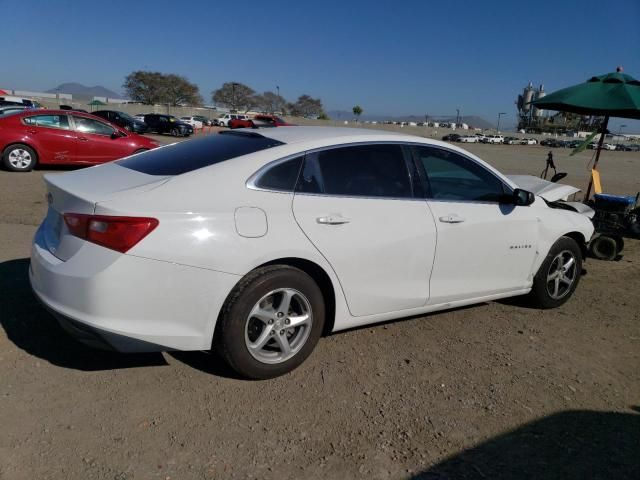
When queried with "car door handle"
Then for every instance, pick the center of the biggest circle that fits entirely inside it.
(332, 220)
(32, 130)
(451, 218)
(83, 139)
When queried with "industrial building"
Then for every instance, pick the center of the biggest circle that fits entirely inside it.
(536, 120)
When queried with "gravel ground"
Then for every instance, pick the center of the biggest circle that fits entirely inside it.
(496, 390)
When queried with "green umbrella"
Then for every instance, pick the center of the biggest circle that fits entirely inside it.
(96, 103)
(611, 95)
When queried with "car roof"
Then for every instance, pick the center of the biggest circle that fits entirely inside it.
(46, 111)
(295, 134)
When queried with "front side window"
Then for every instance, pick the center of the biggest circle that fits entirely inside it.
(89, 125)
(451, 176)
(358, 171)
(50, 121)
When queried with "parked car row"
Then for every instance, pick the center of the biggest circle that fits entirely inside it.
(223, 121)
(478, 137)
(166, 124)
(123, 120)
(557, 143)
(258, 121)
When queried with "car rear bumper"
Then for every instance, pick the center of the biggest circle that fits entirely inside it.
(127, 303)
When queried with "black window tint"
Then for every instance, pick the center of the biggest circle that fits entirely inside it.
(187, 156)
(451, 176)
(282, 176)
(311, 180)
(362, 171)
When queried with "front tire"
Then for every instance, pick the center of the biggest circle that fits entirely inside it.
(558, 276)
(271, 322)
(19, 158)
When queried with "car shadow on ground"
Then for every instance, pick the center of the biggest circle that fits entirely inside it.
(206, 362)
(568, 445)
(31, 328)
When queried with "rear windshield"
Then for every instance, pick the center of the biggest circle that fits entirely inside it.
(193, 154)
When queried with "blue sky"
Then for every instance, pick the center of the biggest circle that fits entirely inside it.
(391, 57)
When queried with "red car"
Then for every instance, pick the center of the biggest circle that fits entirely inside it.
(259, 121)
(57, 137)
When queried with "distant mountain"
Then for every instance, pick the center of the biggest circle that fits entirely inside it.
(82, 91)
(472, 120)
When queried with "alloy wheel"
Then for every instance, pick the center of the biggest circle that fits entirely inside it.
(562, 275)
(20, 158)
(278, 326)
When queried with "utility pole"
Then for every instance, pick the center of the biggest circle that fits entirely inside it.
(278, 106)
(498, 126)
(233, 96)
(620, 134)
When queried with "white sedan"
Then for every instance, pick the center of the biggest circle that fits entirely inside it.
(468, 139)
(194, 122)
(254, 244)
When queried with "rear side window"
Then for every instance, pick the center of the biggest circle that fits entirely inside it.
(51, 121)
(194, 154)
(282, 176)
(358, 171)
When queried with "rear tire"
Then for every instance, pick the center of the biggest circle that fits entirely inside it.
(19, 158)
(558, 276)
(270, 322)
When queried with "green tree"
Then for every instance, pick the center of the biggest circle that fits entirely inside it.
(145, 87)
(153, 88)
(357, 111)
(306, 106)
(179, 91)
(235, 95)
(270, 102)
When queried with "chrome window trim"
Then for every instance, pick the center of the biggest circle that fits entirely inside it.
(252, 180)
(361, 197)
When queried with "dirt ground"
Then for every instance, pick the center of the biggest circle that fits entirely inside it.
(497, 390)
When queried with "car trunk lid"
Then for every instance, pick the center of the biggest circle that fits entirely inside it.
(79, 192)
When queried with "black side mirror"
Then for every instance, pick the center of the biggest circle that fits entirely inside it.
(115, 135)
(522, 198)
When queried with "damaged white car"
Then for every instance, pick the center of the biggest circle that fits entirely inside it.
(254, 243)
(555, 194)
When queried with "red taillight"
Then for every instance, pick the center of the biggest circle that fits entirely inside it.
(116, 233)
